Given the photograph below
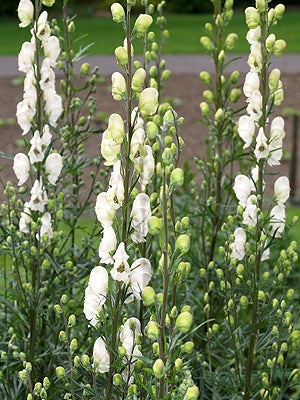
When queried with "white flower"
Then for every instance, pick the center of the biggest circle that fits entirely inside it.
(282, 189)
(39, 197)
(140, 275)
(36, 153)
(109, 149)
(24, 115)
(115, 194)
(53, 106)
(47, 76)
(279, 94)
(246, 130)
(107, 245)
(250, 212)
(46, 228)
(137, 145)
(21, 167)
(275, 153)
(30, 94)
(136, 121)
(254, 180)
(255, 57)
(25, 13)
(105, 213)
(115, 129)
(127, 336)
(26, 57)
(46, 138)
(140, 215)
(277, 130)
(262, 148)
(242, 188)
(238, 246)
(254, 35)
(101, 356)
(254, 108)
(121, 270)
(43, 28)
(95, 294)
(266, 254)
(147, 167)
(25, 219)
(53, 167)
(252, 83)
(118, 86)
(277, 220)
(52, 49)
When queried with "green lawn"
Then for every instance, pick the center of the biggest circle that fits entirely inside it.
(185, 32)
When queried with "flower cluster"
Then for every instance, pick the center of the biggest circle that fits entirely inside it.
(33, 117)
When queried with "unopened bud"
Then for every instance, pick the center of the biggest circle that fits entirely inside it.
(85, 68)
(192, 393)
(138, 80)
(148, 102)
(184, 321)
(60, 372)
(235, 94)
(183, 243)
(252, 17)
(117, 379)
(121, 55)
(279, 11)
(205, 77)
(204, 108)
(206, 43)
(159, 368)
(142, 23)
(234, 77)
(231, 40)
(148, 296)
(152, 330)
(188, 347)
(118, 12)
(177, 177)
(279, 46)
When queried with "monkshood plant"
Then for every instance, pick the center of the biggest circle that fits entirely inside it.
(256, 324)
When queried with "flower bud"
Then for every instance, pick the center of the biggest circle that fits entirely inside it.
(184, 321)
(148, 102)
(85, 68)
(183, 243)
(148, 296)
(244, 302)
(142, 23)
(192, 393)
(117, 379)
(261, 5)
(118, 86)
(279, 46)
(73, 344)
(205, 77)
(152, 330)
(62, 336)
(60, 372)
(279, 11)
(152, 130)
(121, 55)
(122, 351)
(235, 94)
(219, 116)
(118, 12)
(204, 108)
(138, 80)
(166, 74)
(154, 225)
(274, 79)
(188, 347)
(206, 43)
(159, 368)
(85, 360)
(252, 17)
(48, 3)
(72, 320)
(231, 40)
(270, 41)
(159, 298)
(208, 96)
(25, 13)
(177, 177)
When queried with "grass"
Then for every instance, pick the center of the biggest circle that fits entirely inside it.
(185, 32)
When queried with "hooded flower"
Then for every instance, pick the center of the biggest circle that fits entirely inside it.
(47, 76)
(25, 13)
(52, 50)
(115, 193)
(127, 336)
(24, 114)
(53, 105)
(242, 188)
(107, 245)
(148, 102)
(250, 212)
(238, 246)
(254, 35)
(46, 138)
(254, 107)
(118, 86)
(262, 148)
(53, 167)
(43, 28)
(26, 57)
(255, 57)
(115, 129)
(21, 167)
(30, 94)
(46, 228)
(109, 149)
(101, 356)
(246, 130)
(95, 294)
(36, 153)
(105, 213)
(25, 219)
(147, 167)
(282, 190)
(252, 83)
(140, 215)
(277, 220)
(39, 197)
(140, 275)
(121, 270)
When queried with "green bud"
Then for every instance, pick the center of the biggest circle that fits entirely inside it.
(205, 77)
(148, 296)
(155, 348)
(279, 46)
(159, 298)
(244, 302)
(184, 321)
(152, 330)
(166, 74)
(252, 17)
(188, 347)
(132, 390)
(219, 116)
(178, 364)
(270, 42)
(261, 5)
(204, 108)
(159, 368)
(142, 23)
(208, 28)
(174, 312)
(121, 55)
(206, 43)
(117, 379)
(71, 27)
(183, 243)
(72, 320)
(85, 360)
(118, 12)
(46, 383)
(235, 94)
(192, 393)
(85, 69)
(234, 77)
(208, 96)
(122, 351)
(167, 156)
(177, 177)
(60, 372)
(279, 11)
(48, 3)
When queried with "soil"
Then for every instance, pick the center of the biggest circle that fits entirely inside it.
(186, 89)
